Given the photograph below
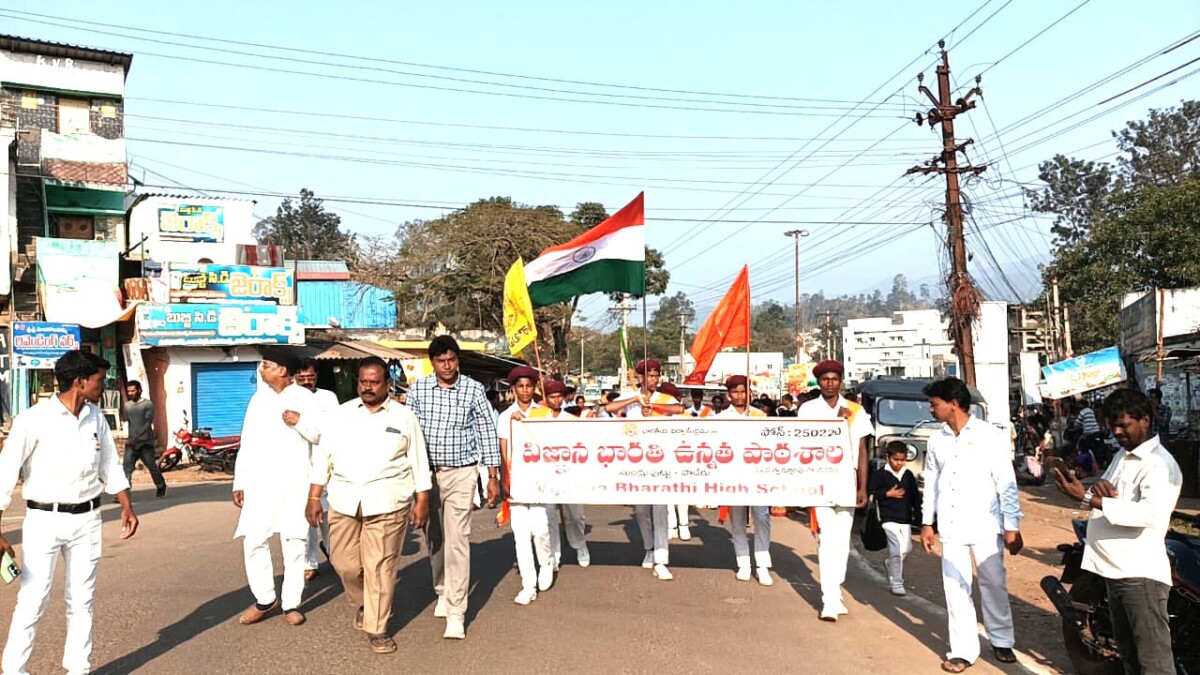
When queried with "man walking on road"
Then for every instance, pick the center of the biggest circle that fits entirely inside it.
(326, 404)
(971, 490)
(373, 464)
(271, 485)
(739, 406)
(460, 432)
(834, 523)
(64, 450)
(139, 413)
(1131, 512)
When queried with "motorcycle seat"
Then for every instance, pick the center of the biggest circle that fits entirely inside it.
(226, 440)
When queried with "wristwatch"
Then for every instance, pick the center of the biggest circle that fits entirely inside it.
(1086, 503)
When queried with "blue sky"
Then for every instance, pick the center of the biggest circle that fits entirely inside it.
(833, 72)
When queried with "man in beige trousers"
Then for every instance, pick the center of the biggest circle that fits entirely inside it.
(373, 463)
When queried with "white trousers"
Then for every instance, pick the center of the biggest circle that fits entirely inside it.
(833, 550)
(44, 536)
(531, 534)
(573, 523)
(899, 543)
(993, 591)
(260, 570)
(677, 516)
(762, 535)
(652, 521)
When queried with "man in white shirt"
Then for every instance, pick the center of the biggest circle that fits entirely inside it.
(372, 463)
(271, 483)
(739, 406)
(326, 405)
(834, 523)
(64, 449)
(971, 492)
(647, 402)
(1131, 512)
(529, 522)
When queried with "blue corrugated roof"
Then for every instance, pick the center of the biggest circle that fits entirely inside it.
(349, 303)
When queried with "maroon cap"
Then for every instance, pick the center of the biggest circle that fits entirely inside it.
(522, 371)
(734, 381)
(554, 387)
(829, 366)
(646, 365)
(669, 389)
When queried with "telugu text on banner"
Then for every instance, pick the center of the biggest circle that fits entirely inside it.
(733, 462)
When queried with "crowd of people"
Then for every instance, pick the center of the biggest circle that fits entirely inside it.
(355, 477)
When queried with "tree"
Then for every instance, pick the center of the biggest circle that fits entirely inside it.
(772, 329)
(1163, 149)
(900, 298)
(1076, 193)
(306, 231)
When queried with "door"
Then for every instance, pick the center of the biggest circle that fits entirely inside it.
(74, 116)
(220, 394)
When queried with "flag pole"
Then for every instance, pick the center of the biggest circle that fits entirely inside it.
(537, 356)
(645, 345)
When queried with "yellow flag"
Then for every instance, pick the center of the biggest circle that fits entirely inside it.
(519, 326)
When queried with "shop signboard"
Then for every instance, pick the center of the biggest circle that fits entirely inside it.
(1084, 373)
(207, 283)
(217, 325)
(39, 344)
(192, 222)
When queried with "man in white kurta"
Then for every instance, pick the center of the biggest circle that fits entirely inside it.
(327, 404)
(971, 492)
(271, 484)
(647, 401)
(835, 522)
(739, 406)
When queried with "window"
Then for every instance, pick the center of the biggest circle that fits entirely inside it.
(74, 116)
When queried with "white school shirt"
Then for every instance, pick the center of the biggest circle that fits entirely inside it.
(504, 421)
(731, 411)
(64, 458)
(634, 411)
(274, 463)
(970, 484)
(371, 460)
(1125, 536)
(860, 427)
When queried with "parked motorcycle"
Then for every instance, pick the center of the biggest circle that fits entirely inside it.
(198, 446)
(1087, 628)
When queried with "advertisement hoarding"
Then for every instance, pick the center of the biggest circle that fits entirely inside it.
(218, 325)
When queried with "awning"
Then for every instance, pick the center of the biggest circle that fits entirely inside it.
(354, 350)
(84, 201)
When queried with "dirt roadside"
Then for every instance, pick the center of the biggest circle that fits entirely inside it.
(1047, 523)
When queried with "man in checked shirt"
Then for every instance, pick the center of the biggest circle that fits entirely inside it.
(460, 433)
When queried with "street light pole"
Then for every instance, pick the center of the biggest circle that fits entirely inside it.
(795, 235)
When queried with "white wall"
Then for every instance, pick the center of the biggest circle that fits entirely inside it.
(143, 221)
(913, 344)
(62, 73)
(8, 212)
(992, 374)
(177, 379)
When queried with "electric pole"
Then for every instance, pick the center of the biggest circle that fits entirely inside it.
(624, 308)
(683, 322)
(796, 234)
(964, 298)
(829, 341)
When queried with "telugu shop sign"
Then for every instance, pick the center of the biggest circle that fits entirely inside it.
(39, 344)
(207, 283)
(203, 325)
(190, 222)
(733, 462)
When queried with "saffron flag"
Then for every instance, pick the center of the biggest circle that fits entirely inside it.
(519, 326)
(610, 258)
(727, 326)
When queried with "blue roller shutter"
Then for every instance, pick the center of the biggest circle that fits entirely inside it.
(220, 393)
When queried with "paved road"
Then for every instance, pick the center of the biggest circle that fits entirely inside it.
(167, 602)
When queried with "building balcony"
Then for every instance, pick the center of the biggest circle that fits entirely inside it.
(83, 159)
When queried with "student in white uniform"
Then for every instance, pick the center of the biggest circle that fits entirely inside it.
(574, 522)
(64, 449)
(971, 490)
(835, 522)
(271, 485)
(739, 406)
(327, 404)
(531, 530)
(648, 401)
(678, 515)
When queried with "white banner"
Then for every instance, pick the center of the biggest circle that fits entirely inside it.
(678, 460)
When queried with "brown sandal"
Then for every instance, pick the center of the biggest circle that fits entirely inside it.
(955, 665)
(1004, 654)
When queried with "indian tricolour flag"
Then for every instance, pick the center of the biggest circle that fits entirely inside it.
(609, 258)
